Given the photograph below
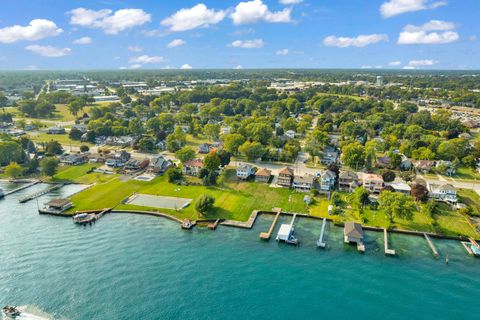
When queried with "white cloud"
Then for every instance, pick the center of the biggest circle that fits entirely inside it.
(395, 63)
(421, 63)
(37, 29)
(107, 20)
(408, 68)
(135, 49)
(432, 32)
(472, 38)
(395, 7)
(256, 11)
(282, 52)
(49, 51)
(83, 40)
(247, 44)
(136, 66)
(238, 67)
(289, 2)
(146, 59)
(371, 67)
(359, 41)
(198, 16)
(176, 43)
(186, 66)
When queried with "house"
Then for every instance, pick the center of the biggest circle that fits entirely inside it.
(372, 182)
(465, 135)
(263, 175)
(122, 155)
(225, 130)
(442, 192)
(56, 130)
(290, 134)
(136, 165)
(400, 186)
(303, 183)
(353, 232)
(329, 157)
(74, 159)
(159, 165)
(58, 205)
(80, 127)
(383, 162)
(123, 141)
(423, 166)
(161, 145)
(327, 180)
(406, 164)
(204, 148)
(348, 181)
(285, 177)
(245, 170)
(192, 167)
(114, 162)
(446, 167)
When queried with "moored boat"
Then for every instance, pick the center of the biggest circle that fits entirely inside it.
(11, 312)
(187, 224)
(83, 218)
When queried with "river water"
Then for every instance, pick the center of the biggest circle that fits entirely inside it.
(129, 266)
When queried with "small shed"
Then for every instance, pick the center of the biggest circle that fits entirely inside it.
(285, 232)
(353, 232)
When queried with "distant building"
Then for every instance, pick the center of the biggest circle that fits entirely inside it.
(263, 175)
(56, 130)
(285, 177)
(290, 134)
(380, 81)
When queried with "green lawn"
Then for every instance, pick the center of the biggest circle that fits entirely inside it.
(466, 173)
(79, 174)
(471, 199)
(63, 139)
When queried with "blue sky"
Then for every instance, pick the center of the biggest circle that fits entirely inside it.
(410, 34)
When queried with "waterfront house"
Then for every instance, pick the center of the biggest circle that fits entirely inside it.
(136, 165)
(192, 167)
(285, 177)
(423, 166)
(400, 186)
(114, 162)
(74, 159)
(348, 181)
(327, 180)
(263, 175)
(353, 232)
(58, 205)
(303, 183)
(56, 130)
(442, 192)
(245, 170)
(372, 182)
(159, 165)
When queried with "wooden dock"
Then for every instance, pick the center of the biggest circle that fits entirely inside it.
(388, 251)
(466, 245)
(320, 242)
(213, 225)
(267, 235)
(40, 193)
(432, 246)
(21, 188)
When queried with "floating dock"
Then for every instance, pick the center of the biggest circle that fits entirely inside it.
(40, 193)
(432, 246)
(89, 216)
(389, 252)
(21, 188)
(320, 242)
(267, 235)
(214, 225)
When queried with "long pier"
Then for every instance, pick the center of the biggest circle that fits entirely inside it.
(432, 246)
(388, 251)
(22, 188)
(320, 242)
(267, 235)
(40, 193)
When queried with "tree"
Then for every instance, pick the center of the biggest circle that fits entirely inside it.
(232, 141)
(360, 197)
(48, 166)
(204, 204)
(135, 127)
(146, 144)
(252, 150)
(212, 131)
(419, 192)
(185, 154)
(53, 147)
(75, 134)
(388, 176)
(174, 175)
(224, 156)
(354, 155)
(10, 151)
(212, 161)
(396, 205)
(13, 170)
(76, 106)
(408, 175)
(84, 148)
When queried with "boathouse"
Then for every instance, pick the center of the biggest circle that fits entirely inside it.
(353, 232)
(58, 205)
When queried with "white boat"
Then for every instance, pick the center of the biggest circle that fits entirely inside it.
(286, 234)
(11, 312)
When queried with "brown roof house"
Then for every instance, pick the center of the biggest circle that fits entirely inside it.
(285, 177)
(192, 167)
(348, 181)
(263, 175)
(424, 166)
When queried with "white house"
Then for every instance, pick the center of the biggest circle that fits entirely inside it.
(245, 170)
(290, 134)
(444, 192)
(327, 180)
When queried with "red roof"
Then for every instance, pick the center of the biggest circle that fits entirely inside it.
(194, 163)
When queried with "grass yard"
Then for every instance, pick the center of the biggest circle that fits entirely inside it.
(79, 174)
(194, 142)
(471, 199)
(466, 174)
(63, 139)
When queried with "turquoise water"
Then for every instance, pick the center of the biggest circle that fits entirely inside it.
(140, 267)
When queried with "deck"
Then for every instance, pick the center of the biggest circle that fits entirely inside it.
(320, 242)
(40, 193)
(432, 246)
(214, 225)
(389, 252)
(267, 235)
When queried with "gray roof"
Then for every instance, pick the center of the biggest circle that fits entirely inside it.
(353, 229)
(303, 179)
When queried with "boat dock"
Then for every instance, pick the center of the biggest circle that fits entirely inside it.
(267, 235)
(21, 188)
(89, 216)
(40, 193)
(389, 252)
(432, 246)
(320, 242)
(213, 225)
